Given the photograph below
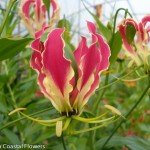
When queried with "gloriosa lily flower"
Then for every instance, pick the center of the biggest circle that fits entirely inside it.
(68, 82)
(67, 89)
(35, 20)
(139, 49)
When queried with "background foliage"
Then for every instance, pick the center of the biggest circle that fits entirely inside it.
(18, 88)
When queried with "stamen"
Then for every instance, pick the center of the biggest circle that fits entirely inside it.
(16, 110)
(89, 119)
(114, 110)
(67, 113)
(93, 128)
(43, 121)
(70, 113)
(47, 125)
(59, 128)
(68, 120)
(95, 121)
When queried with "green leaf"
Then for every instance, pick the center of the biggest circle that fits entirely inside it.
(44, 37)
(134, 143)
(4, 79)
(145, 128)
(3, 105)
(10, 47)
(12, 138)
(130, 33)
(63, 23)
(103, 30)
(115, 47)
(47, 4)
(69, 55)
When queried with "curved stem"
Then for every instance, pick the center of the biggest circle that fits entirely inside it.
(115, 20)
(11, 3)
(119, 79)
(131, 110)
(107, 76)
(63, 141)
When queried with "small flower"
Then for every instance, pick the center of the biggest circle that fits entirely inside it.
(35, 19)
(137, 48)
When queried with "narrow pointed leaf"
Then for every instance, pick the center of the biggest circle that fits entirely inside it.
(69, 55)
(115, 47)
(103, 30)
(63, 23)
(130, 33)
(47, 4)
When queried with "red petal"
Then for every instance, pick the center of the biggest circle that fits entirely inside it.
(54, 7)
(26, 7)
(38, 8)
(89, 63)
(145, 19)
(122, 30)
(104, 53)
(81, 50)
(36, 64)
(54, 62)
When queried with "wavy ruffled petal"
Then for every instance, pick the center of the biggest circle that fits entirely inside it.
(81, 50)
(104, 52)
(91, 62)
(145, 20)
(57, 68)
(103, 47)
(55, 13)
(26, 7)
(36, 63)
(88, 67)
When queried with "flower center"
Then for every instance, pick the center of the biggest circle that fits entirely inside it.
(70, 113)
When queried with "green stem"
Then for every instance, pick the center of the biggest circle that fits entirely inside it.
(12, 96)
(131, 110)
(115, 20)
(114, 26)
(116, 80)
(63, 141)
(96, 110)
(107, 76)
(11, 3)
(126, 12)
(106, 85)
(115, 17)
(15, 106)
(14, 103)
(103, 92)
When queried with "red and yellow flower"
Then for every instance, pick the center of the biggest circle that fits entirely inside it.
(69, 82)
(138, 50)
(33, 14)
(67, 89)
